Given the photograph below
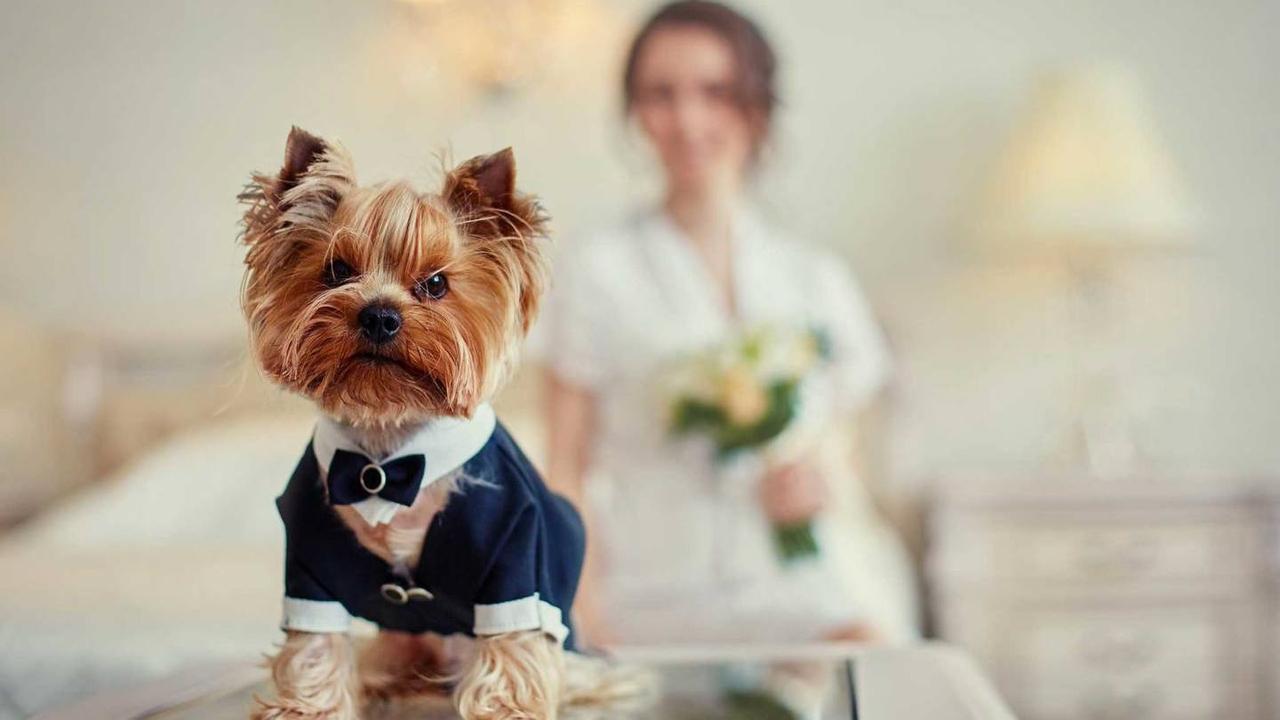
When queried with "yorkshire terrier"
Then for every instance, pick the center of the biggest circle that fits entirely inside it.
(399, 314)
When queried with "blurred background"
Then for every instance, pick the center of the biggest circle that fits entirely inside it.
(1064, 216)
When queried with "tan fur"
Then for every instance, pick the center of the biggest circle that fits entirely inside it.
(598, 688)
(451, 354)
(516, 676)
(527, 675)
(401, 665)
(457, 351)
(314, 675)
(400, 541)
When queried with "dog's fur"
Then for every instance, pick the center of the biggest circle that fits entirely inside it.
(451, 355)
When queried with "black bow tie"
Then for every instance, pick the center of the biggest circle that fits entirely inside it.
(354, 477)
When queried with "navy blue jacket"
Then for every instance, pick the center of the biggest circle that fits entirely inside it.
(503, 549)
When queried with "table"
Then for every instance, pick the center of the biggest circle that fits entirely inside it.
(929, 681)
(1125, 597)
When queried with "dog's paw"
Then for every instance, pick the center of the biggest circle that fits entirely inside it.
(514, 676)
(503, 697)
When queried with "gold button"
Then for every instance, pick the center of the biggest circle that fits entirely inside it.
(419, 594)
(395, 594)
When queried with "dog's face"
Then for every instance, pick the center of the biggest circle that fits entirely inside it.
(382, 304)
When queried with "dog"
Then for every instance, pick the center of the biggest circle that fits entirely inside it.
(399, 314)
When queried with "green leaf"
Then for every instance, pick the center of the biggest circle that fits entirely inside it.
(795, 541)
(691, 415)
(783, 396)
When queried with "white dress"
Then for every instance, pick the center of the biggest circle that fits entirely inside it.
(687, 553)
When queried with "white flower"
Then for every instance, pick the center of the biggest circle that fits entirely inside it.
(736, 376)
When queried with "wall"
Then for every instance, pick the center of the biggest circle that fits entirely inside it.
(126, 129)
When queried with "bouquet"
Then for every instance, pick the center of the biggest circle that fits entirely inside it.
(744, 396)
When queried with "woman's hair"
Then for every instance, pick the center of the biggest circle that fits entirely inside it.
(754, 61)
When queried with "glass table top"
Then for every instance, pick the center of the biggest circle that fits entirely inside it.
(692, 684)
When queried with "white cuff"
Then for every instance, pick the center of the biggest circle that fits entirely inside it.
(528, 613)
(316, 616)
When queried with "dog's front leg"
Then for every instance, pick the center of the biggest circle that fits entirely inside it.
(514, 676)
(314, 675)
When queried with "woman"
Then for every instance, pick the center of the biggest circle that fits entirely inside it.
(681, 547)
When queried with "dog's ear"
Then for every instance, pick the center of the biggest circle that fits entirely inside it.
(301, 151)
(482, 181)
(483, 191)
(482, 194)
(316, 174)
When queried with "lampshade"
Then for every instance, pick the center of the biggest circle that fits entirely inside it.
(1084, 171)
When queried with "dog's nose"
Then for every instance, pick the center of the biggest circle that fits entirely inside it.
(379, 323)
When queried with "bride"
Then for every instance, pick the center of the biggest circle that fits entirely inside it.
(681, 546)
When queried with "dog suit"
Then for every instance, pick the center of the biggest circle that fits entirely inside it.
(503, 555)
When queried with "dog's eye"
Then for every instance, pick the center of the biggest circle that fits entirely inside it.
(434, 287)
(338, 273)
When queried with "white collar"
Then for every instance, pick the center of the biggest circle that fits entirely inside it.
(447, 443)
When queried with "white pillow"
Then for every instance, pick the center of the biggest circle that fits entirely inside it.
(215, 484)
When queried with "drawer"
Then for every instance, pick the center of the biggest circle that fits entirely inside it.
(1131, 663)
(1091, 549)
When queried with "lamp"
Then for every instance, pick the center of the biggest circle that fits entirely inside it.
(1085, 180)
(1085, 170)
(494, 47)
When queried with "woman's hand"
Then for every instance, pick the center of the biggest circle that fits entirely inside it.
(793, 493)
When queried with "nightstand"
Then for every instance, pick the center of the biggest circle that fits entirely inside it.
(1111, 600)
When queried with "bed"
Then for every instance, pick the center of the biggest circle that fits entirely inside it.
(142, 575)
